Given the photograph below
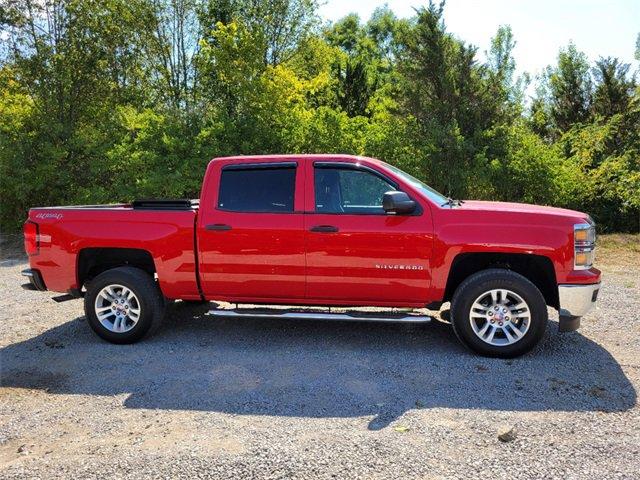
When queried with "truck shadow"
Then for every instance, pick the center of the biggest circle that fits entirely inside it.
(315, 369)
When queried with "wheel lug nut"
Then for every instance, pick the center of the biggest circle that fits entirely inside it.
(504, 310)
(500, 323)
(493, 321)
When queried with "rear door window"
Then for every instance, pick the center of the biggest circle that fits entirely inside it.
(260, 189)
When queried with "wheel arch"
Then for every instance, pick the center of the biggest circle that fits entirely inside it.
(94, 261)
(538, 269)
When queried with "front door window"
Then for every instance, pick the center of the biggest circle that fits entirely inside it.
(349, 191)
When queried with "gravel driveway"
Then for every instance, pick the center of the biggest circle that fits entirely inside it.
(301, 399)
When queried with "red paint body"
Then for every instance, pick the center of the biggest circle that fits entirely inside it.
(275, 258)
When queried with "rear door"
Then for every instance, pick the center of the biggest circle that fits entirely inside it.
(357, 253)
(251, 237)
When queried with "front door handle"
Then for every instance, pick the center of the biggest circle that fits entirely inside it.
(324, 229)
(218, 227)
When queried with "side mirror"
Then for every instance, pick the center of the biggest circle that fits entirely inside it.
(397, 202)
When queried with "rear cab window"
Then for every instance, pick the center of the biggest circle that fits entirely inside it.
(258, 188)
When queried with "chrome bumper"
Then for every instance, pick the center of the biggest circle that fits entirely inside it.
(577, 300)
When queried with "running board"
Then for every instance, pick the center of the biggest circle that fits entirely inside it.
(319, 315)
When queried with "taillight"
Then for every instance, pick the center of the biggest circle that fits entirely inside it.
(31, 238)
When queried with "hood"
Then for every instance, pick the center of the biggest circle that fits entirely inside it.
(477, 205)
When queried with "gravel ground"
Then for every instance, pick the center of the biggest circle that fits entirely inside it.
(285, 399)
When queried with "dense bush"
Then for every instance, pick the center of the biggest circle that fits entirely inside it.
(109, 100)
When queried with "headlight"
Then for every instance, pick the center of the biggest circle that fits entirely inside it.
(584, 244)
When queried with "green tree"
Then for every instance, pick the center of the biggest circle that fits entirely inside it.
(501, 67)
(355, 70)
(109, 100)
(570, 88)
(446, 91)
(614, 89)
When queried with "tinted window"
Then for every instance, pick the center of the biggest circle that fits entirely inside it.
(340, 190)
(257, 189)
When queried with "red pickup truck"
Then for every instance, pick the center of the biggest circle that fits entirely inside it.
(320, 230)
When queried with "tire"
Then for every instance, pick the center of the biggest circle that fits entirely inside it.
(139, 293)
(506, 331)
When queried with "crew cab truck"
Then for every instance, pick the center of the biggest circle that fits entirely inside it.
(321, 230)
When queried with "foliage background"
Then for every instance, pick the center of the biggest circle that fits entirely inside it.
(111, 100)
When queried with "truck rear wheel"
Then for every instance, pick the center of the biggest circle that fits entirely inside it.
(498, 313)
(123, 305)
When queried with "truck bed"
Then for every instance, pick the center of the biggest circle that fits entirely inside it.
(164, 228)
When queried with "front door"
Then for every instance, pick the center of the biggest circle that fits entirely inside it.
(357, 253)
(251, 240)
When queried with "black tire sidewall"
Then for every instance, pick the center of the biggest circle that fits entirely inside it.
(143, 287)
(484, 281)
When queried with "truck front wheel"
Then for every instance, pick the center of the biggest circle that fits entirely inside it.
(123, 305)
(498, 313)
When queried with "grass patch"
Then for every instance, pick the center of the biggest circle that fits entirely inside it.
(620, 241)
(618, 249)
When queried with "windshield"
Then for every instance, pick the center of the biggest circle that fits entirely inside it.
(423, 187)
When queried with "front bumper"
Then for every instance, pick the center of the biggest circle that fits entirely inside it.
(577, 300)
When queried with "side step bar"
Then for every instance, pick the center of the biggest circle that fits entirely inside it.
(319, 315)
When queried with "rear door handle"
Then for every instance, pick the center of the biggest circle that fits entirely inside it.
(218, 226)
(324, 229)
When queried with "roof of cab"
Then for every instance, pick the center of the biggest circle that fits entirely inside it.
(302, 156)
